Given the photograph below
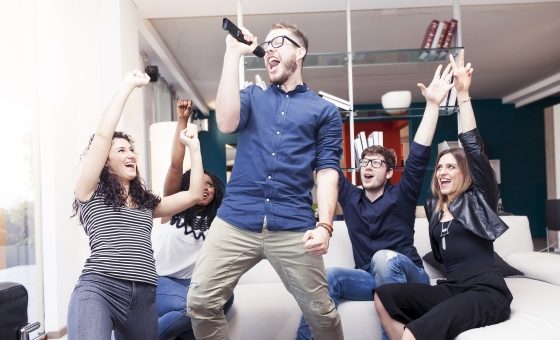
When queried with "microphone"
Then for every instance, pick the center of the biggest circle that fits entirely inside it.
(235, 32)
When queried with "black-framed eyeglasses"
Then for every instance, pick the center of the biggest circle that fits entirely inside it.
(376, 163)
(278, 41)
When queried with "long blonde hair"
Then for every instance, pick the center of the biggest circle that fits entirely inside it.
(463, 165)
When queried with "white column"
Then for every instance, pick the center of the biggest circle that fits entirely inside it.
(552, 145)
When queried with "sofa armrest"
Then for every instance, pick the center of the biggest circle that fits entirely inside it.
(538, 266)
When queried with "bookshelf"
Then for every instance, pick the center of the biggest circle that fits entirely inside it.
(364, 58)
(382, 115)
(365, 120)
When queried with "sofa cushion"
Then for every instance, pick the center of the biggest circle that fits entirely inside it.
(534, 313)
(539, 266)
(502, 265)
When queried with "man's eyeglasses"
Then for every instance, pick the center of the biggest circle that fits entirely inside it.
(376, 163)
(278, 41)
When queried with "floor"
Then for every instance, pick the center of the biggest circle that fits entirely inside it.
(539, 244)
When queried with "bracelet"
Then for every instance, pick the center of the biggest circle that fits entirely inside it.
(464, 101)
(327, 226)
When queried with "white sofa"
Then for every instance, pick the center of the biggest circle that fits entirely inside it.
(264, 310)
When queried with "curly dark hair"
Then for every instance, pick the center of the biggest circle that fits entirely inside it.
(112, 190)
(197, 219)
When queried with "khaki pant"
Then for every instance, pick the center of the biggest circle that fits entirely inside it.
(228, 252)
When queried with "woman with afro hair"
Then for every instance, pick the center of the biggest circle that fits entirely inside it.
(177, 242)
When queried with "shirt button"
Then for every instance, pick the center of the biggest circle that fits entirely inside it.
(287, 96)
(282, 113)
(273, 154)
(277, 132)
(268, 200)
(269, 177)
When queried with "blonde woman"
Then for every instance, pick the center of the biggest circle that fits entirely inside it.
(463, 223)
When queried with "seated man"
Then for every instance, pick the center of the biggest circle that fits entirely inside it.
(380, 217)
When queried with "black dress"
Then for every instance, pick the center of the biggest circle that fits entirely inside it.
(473, 295)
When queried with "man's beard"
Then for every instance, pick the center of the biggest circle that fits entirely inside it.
(290, 67)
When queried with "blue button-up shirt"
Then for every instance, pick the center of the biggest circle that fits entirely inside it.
(283, 137)
(388, 222)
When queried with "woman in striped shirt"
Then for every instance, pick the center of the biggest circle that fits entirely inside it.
(116, 290)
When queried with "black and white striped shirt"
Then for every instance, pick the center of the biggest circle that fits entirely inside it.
(119, 240)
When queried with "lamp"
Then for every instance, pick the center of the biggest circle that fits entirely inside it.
(396, 102)
(552, 222)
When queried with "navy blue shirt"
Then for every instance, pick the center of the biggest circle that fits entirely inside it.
(388, 222)
(283, 137)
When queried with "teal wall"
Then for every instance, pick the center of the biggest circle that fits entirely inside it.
(515, 136)
(212, 146)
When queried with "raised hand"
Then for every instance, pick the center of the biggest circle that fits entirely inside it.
(462, 73)
(189, 136)
(239, 47)
(136, 78)
(439, 87)
(184, 109)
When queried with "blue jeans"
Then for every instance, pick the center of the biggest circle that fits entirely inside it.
(171, 301)
(387, 266)
(100, 304)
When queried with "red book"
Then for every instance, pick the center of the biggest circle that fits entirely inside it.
(450, 34)
(429, 35)
(429, 38)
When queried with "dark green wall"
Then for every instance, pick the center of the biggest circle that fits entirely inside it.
(515, 136)
(213, 148)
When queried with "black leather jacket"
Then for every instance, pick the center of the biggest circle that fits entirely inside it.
(476, 208)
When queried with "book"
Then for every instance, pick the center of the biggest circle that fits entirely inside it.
(375, 138)
(450, 33)
(443, 34)
(379, 138)
(428, 38)
(339, 102)
(449, 36)
(363, 140)
(435, 41)
(260, 82)
(358, 149)
(450, 100)
(360, 143)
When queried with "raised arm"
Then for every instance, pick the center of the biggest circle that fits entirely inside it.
(434, 94)
(171, 205)
(227, 98)
(174, 175)
(98, 151)
(463, 76)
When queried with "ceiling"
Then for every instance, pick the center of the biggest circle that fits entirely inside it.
(511, 44)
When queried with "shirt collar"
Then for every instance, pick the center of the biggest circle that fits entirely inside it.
(299, 88)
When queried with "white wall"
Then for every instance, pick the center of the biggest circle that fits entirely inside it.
(19, 115)
(83, 50)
